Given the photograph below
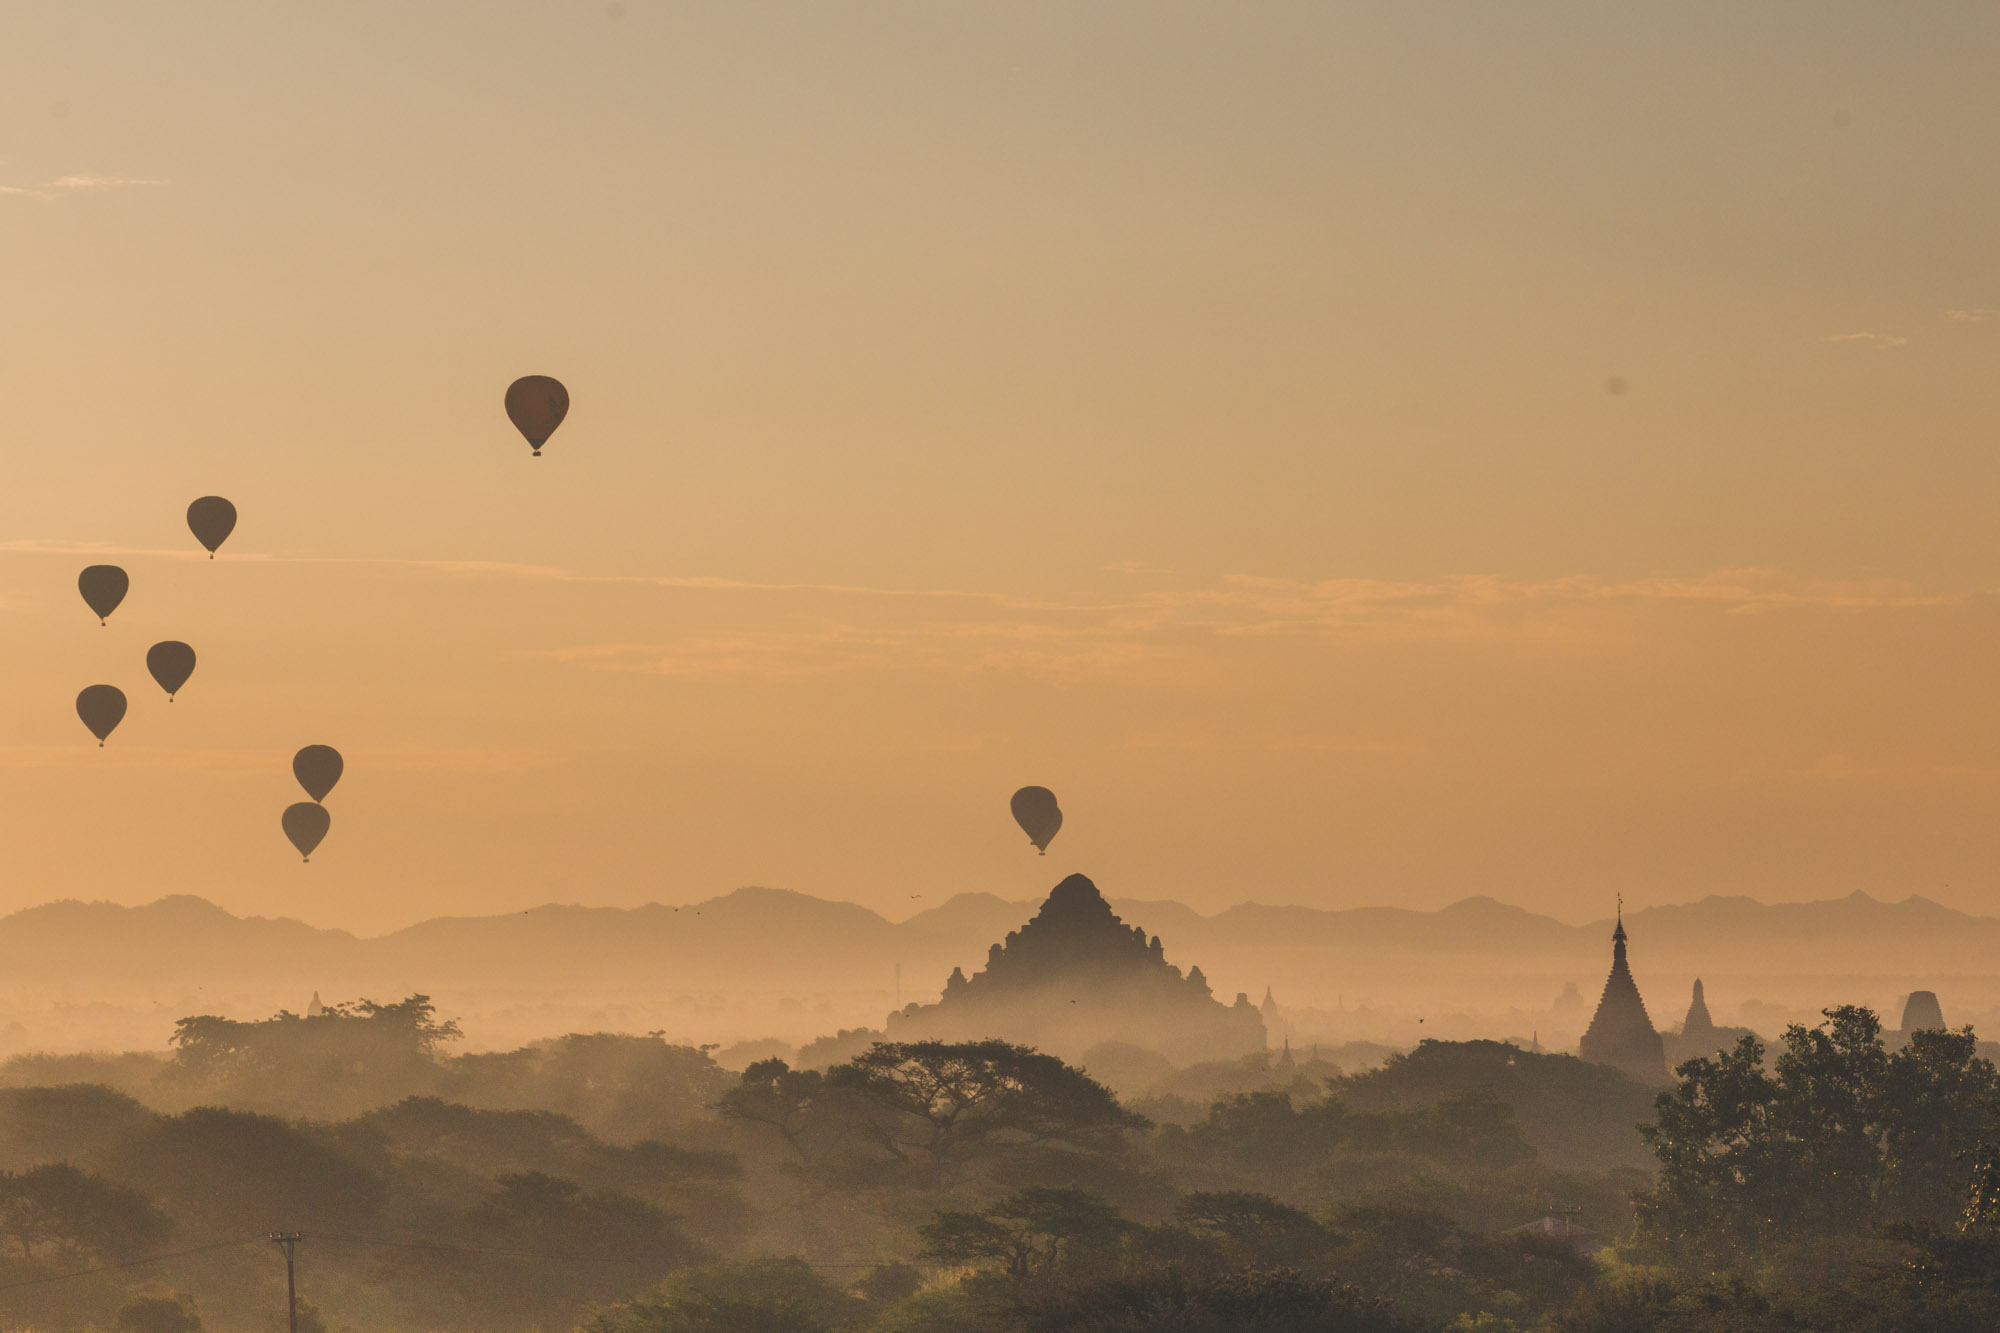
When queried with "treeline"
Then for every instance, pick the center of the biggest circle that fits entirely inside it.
(930, 1186)
(354, 1057)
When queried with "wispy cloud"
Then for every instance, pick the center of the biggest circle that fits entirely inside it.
(251, 762)
(502, 569)
(820, 650)
(55, 546)
(784, 628)
(72, 184)
(1881, 340)
(1971, 314)
(88, 182)
(1096, 639)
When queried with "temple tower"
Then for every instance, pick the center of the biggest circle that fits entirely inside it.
(1621, 1034)
(1699, 1029)
(1922, 1012)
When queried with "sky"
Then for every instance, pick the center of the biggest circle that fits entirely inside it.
(1353, 454)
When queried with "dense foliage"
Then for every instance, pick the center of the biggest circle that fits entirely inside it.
(1837, 1138)
(621, 1185)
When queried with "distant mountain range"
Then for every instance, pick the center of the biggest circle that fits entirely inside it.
(772, 962)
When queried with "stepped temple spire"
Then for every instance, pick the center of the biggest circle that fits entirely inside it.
(1621, 1034)
(1075, 977)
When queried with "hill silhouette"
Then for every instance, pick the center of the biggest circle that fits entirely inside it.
(763, 962)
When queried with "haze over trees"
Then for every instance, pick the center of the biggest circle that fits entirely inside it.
(763, 963)
(623, 1183)
(620, 1185)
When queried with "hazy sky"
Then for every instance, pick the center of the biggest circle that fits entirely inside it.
(1352, 453)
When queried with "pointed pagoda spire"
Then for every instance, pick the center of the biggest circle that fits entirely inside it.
(1698, 1019)
(1621, 1034)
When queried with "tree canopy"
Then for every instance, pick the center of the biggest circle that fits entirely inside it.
(1838, 1136)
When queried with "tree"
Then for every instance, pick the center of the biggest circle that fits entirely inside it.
(60, 1211)
(1036, 1232)
(1574, 1114)
(1721, 1178)
(537, 1250)
(1837, 1139)
(1982, 1195)
(1254, 1301)
(233, 1173)
(951, 1106)
(347, 1058)
(1256, 1230)
(1938, 1103)
(1830, 1081)
(484, 1141)
(808, 1117)
(68, 1123)
(159, 1314)
(773, 1094)
(966, 1239)
(758, 1296)
(1260, 1138)
(620, 1086)
(209, 1047)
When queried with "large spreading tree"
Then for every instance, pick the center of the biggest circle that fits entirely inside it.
(1837, 1136)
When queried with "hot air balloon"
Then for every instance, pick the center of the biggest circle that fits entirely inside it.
(103, 587)
(171, 663)
(211, 519)
(305, 824)
(102, 708)
(1036, 812)
(537, 404)
(317, 767)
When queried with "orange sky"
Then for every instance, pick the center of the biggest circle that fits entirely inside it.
(1205, 411)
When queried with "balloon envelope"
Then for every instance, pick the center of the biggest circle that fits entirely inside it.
(317, 767)
(211, 519)
(171, 663)
(537, 404)
(103, 587)
(102, 708)
(1036, 812)
(305, 824)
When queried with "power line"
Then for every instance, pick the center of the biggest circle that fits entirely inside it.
(395, 1245)
(129, 1263)
(550, 1258)
(503, 1254)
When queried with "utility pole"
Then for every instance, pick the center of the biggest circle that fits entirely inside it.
(289, 1240)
